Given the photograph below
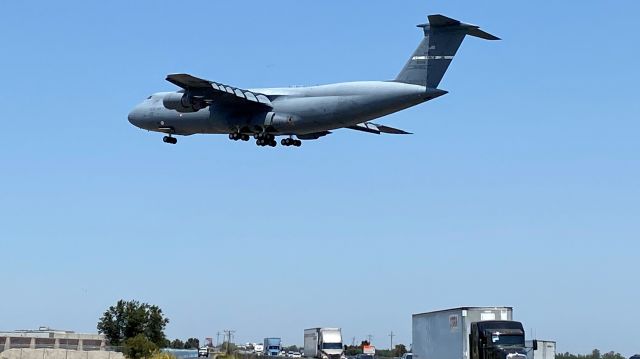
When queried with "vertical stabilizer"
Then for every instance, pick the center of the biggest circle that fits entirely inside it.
(442, 38)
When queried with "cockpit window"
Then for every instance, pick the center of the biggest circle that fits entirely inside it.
(149, 98)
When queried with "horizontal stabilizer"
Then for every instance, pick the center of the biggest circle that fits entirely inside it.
(441, 21)
(377, 129)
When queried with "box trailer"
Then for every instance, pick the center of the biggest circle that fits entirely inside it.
(541, 349)
(444, 334)
(323, 343)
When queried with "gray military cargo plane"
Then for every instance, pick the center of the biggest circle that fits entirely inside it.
(307, 113)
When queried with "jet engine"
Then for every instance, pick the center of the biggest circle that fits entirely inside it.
(183, 102)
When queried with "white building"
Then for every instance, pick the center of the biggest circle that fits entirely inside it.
(45, 337)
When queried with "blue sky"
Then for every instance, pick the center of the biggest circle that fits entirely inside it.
(520, 187)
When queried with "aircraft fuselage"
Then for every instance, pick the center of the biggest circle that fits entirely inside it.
(306, 109)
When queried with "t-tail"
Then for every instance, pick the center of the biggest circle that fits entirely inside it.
(442, 38)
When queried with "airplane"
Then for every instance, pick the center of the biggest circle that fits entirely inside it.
(305, 113)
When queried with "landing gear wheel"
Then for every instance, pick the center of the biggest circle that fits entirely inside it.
(284, 142)
(297, 143)
(273, 143)
(169, 139)
(245, 137)
(231, 136)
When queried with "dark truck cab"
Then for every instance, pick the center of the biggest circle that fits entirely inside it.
(497, 339)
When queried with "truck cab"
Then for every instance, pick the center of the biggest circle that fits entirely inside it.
(258, 349)
(497, 339)
(272, 347)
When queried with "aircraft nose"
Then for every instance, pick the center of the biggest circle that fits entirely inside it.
(135, 117)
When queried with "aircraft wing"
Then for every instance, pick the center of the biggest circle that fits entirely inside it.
(210, 91)
(377, 129)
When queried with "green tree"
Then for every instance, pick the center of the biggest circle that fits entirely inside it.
(177, 344)
(139, 347)
(192, 343)
(352, 350)
(595, 354)
(399, 350)
(127, 319)
(612, 355)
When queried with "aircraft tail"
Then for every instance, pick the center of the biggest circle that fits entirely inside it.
(442, 38)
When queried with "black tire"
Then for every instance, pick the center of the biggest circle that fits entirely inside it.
(245, 137)
(273, 143)
(297, 143)
(283, 142)
(231, 136)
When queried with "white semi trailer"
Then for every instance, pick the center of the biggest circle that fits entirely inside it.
(541, 349)
(323, 343)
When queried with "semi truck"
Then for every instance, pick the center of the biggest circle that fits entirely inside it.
(323, 343)
(468, 333)
(272, 347)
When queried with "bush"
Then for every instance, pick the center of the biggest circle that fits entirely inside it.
(162, 355)
(139, 347)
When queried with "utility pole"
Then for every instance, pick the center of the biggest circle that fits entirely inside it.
(353, 342)
(391, 335)
(228, 334)
(218, 339)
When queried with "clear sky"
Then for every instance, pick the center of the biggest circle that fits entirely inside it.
(520, 187)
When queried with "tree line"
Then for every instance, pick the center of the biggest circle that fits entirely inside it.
(595, 354)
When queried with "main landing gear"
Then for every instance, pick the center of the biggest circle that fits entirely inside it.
(238, 136)
(169, 139)
(265, 139)
(291, 142)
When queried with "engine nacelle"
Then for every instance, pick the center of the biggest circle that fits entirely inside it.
(182, 102)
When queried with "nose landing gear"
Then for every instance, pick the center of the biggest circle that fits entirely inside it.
(170, 140)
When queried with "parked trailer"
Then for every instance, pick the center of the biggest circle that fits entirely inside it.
(323, 343)
(444, 334)
(541, 349)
